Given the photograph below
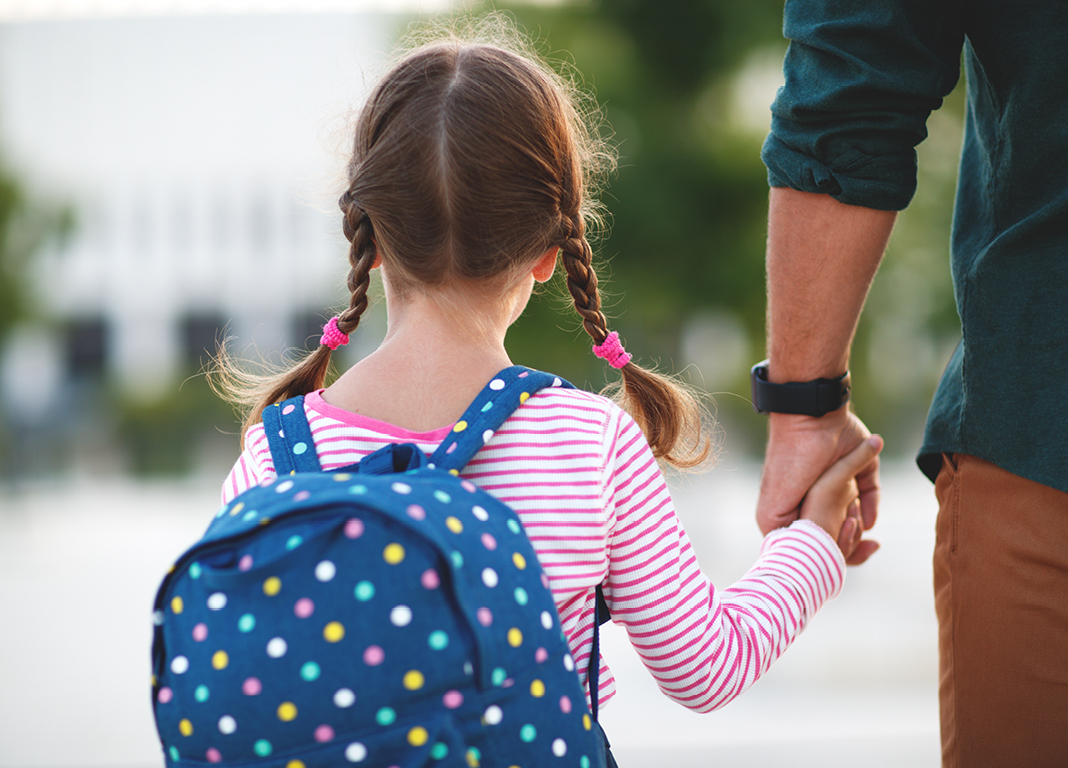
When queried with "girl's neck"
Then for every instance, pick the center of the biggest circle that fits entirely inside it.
(441, 348)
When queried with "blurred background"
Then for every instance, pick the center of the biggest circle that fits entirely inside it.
(168, 177)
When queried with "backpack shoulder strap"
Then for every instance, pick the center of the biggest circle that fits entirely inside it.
(490, 409)
(290, 437)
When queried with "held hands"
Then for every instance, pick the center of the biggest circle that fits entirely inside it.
(833, 502)
(800, 449)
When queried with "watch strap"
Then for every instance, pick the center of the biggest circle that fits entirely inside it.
(810, 398)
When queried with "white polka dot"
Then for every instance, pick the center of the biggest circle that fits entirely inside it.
(325, 571)
(216, 601)
(489, 577)
(480, 513)
(179, 665)
(569, 663)
(276, 648)
(284, 486)
(355, 752)
(401, 488)
(400, 616)
(344, 698)
(559, 747)
(487, 436)
(157, 618)
(496, 385)
(493, 715)
(546, 620)
(227, 725)
(557, 382)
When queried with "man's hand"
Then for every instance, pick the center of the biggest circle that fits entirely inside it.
(799, 449)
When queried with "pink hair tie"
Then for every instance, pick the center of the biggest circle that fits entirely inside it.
(332, 335)
(612, 350)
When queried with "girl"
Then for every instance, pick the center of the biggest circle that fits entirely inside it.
(468, 182)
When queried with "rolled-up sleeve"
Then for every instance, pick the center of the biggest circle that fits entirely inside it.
(861, 80)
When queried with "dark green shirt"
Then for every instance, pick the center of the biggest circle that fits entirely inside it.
(861, 80)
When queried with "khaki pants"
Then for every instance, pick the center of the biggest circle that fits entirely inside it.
(1001, 594)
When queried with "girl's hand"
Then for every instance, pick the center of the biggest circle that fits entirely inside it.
(833, 501)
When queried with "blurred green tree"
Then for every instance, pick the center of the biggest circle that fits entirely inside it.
(689, 205)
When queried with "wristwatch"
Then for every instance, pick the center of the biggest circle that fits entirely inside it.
(810, 398)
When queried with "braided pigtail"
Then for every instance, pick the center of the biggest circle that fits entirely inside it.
(256, 391)
(669, 414)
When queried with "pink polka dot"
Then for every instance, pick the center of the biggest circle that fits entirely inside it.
(545, 581)
(430, 579)
(165, 695)
(485, 617)
(213, 755)
(451, 448)
(416, 512)
(302, 496)
(373, 656)
(288, 409)
(245, 563)
(304, 608)
(565, 704)
(467, 485)
(200, 632)
(541, 655)
(354, 528)
(324, 733)
(252, 686)
(489, 542)
(523, 375)
(453, 699)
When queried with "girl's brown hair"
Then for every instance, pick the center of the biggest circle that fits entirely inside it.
(470, 160)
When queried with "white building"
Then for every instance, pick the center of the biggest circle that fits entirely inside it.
(202, 156)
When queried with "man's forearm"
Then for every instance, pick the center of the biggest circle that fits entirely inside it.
(821, 258)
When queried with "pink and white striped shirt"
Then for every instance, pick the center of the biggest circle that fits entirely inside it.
(582, 478)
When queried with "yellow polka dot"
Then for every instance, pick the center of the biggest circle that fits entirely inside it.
(237, 507)
(472, 759)
(393, 554)
(537, 689)
(186, 728)
(177, 605)
(454, 525)
(287, 711)
(418, 736)
(295, 764)
(272, 586)
(460, 426)
(333, 632)
(523, 397)
(220, 660)
(515, 637)
(343, 477)
(586, 722)
(454, 472)
(153, 680)
(413, 680)
(264, 520)
(519, 560)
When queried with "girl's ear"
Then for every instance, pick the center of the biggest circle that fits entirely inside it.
(378, 260)
(545, 265)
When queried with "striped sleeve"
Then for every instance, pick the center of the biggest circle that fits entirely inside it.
(705, 646)
(253, 466)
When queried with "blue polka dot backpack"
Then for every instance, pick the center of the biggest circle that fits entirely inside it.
(387, 614)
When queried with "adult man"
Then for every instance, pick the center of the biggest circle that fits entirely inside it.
(861, 80)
